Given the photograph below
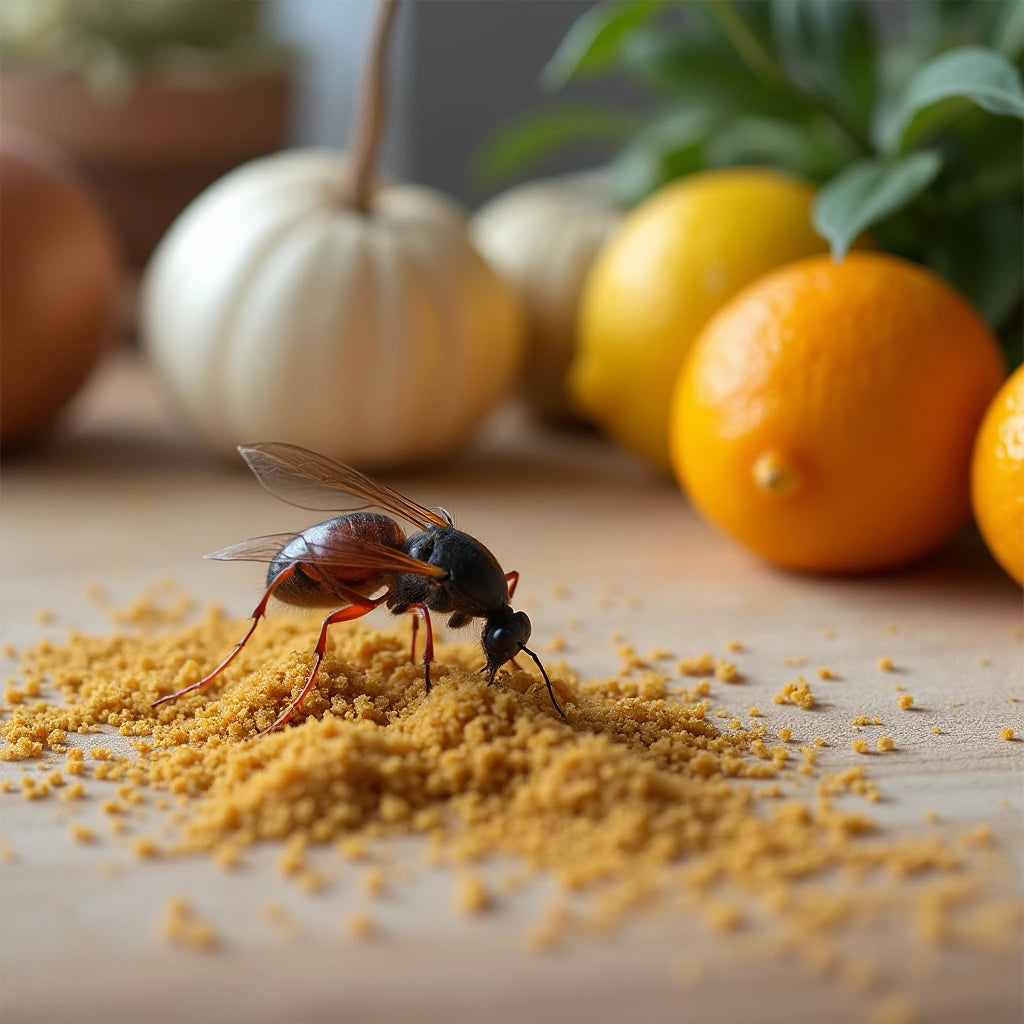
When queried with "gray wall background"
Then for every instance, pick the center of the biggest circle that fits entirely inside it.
(459, 68)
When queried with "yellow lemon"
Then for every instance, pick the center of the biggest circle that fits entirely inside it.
(675, 260)
(825, 417)
(997, 477)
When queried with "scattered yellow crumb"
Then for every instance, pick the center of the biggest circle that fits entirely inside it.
(471, 894)
(559, 590)
(551, 930)
(73, 792)
(702, 665)
(8, 855)
(890, 629)
(905, 701)
(983, 661)
(860, 746)
(885, 743)
(556, 644)
(181, 926)
(293, 859)
(754, 712)
(936, 730)
(82, 833)
(931, 815)
(310, 881)
(885, 663)
(826, 673)
(374, 882)
(785, 734)
(1006, 734)
(44, 617)
(726, 671)
(893, 1009)
(144, 847)
(797, 692)
(734, 645)
(359, 925)
(354, 848)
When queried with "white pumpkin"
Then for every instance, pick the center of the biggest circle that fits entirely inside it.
(543, 237)
(276, 311)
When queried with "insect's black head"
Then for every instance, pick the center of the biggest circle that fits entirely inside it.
(504, 635)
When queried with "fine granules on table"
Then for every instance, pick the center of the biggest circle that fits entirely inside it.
(640, 800)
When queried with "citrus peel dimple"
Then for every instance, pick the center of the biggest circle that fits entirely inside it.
(773, 474)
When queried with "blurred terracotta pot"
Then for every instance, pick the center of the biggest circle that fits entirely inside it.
(151, 149)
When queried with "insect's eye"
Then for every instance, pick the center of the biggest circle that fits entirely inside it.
(502, 641)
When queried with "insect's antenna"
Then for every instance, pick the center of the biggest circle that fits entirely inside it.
(547, 682)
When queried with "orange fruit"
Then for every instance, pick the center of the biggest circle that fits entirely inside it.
(826, 415)
(671, 264)
(997, 477)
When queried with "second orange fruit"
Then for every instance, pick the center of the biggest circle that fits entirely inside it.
(826, 415)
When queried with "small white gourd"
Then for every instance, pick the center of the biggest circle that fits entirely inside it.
(295, 301)
(542, 237)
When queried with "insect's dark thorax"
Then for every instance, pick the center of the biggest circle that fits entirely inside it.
(476, 583)
(313, 586)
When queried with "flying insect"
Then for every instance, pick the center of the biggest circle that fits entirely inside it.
(345, 562)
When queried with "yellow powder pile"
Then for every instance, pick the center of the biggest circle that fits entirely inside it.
(639, 800)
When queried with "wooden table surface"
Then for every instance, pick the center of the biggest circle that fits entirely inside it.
(122, 497)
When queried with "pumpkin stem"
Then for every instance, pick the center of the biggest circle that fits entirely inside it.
(368, 124)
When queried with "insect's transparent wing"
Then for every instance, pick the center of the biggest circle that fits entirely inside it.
(312, 481)
(337, 554)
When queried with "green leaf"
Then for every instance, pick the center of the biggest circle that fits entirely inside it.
(1008, 30)
(670, 147)
(867, 192)
(981, 254)
(974, 73)
(594, 41)
(702, 74)
(518, 145)
(811, 151)
(828, 47)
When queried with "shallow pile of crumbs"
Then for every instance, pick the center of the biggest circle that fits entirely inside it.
(643, 799)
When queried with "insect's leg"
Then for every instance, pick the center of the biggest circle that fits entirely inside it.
(258, 614)
(353, 611)
(420, 611)
(415, 630)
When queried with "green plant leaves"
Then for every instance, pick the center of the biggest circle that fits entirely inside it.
(982, 254)
(669, 147)
(828, 47)
(518, 145)
(975, 73)
(867, 192)
(592, 43)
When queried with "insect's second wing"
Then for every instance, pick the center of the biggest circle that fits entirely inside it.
(337, 554)
(312, 481)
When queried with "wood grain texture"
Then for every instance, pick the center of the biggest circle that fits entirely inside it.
(122, 498)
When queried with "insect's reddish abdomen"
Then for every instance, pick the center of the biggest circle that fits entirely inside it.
(313, 587)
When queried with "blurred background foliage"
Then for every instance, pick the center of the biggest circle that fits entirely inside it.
(915, 135)
(106, 41)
